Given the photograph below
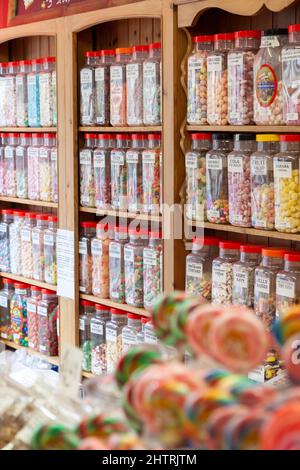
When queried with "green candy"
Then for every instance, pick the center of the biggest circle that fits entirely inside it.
(134, 360)
(54, 437)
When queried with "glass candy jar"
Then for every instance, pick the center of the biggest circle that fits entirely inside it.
(87, 90)
(290, 73)
(152, 86)
(18, 314)
(33, 92)
(119, 172)
(153, 268)
(88, 231)
(45, 167)
(130, 332)
(6, 295)
(27, 245)
(38, 246)
(47, 323)
(3, 142)
(100, 250)
(116, 265)
(102, 104)
(118, 87)
(152, 175)
(288, 283)
(104, 143)
(21, 93)
(87, 183)
(15, 242)
(87, 311)
(34, 166)
(222, 272)
(134, 172)
(22, 165)
(32, 317)
(134, 86)
(98, 339)
(133, 256)
(50, 251)
(47, 93)
(7, 219)
(114, 338)
(10, 182)
(243, 275)
(10, 91)
(54, 178)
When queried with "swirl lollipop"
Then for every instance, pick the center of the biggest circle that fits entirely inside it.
(282, 430)
(54, 437)
(217, 422)
(291, 358)
(100, 426)
(287, 325)
(243, 432)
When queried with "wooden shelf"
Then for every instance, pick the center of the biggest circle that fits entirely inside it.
(124, 214)
(128, 129)
(29, 202)
(32, 282)
(28, 129)
(246, 231)
(51, 359)
(109, 303)
(256, 129)
(88, 375)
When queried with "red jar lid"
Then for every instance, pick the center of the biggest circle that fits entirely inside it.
(25, 135)
(273, 252)
(30, 215)
(203, 38)
(8, 281)
(7, 211)
(19, 213)
(36, 135)
(138, 136)
(90, 136)
(52, 218)
(25, 62)
(247, 34)
(123, 137)
(289, 138)
(103, 308)
(230, 245)
(88, 224)
(207, 241)
(36, 288)
(48, 291)
(42, 216)
(201, 136)
(142, 48)
(251, 248)
(292, 256)
(13, 135)
(86, 303)
(116, 311)
(154, 136)
(155, 45)
(224, 37)
(104, 136)
(49, 135)
(145, 320)
(133, 316)
(107, 52)
(49, 59)
(90, 54)
(20, 285)
(293, 28)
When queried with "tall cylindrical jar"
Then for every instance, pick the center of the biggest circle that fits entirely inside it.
(46, 91)
(98, 339)
(153, 268)
(3, 96)
(3, 142)
(6, 221)
(133, 256)
(288, 283)
(130, 332)
(54, 175)
(114, 338)
(22, 165)
(10, 181)
(87, 311)
(87, 184)
(152, 86)
(243, 275)
(290, 73)
(118, 87)
(222, 272)
(33, 92)
(34, 166)
(47, 323)
(134, 172)
(99, 250)
(152, 175)
(15, 242)
(38, 246)
(116, 265)
(88, 231)
(87, 90)
(10, 91)
(118, 172)
(32, 317)
(6, 295)
(104, 143)
(134, 86)
(50, 251)
(18, 314)
(21, 93)
(102, 70)
(26, 245)
(45, 173)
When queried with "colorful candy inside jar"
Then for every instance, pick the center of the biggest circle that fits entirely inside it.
(21, 93)
(6, 295)
(22, 165)
(87, 183)
(100, 250)
(152, 175)
(114, 338)
(134, 172)
(27, 245)
(32, 317)
(15, 242)
(119, 172)
(45, 170)
(152, 268)
(47, 93)
(152, 86)
(98, 339)
(10, 182)
(34, 166)
(102, 108)
(18, 314)
(133, 261)
(288, 283)
(88, 231)
(130, 332)
(33, 92)
(87, 88)
(38, 246)
(50, 251)
(116, 265)
(118, 87)
(243, 275)
(290, 73)
(47, 323)
(222, 272)
(87, 311)
(7, 219)
(134, 86)
(104, 143)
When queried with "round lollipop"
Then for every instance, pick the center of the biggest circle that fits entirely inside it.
(128, 441)
(92, 443)
(243, 432)
(54, 437)
(101, 426)
(281, 430)
(216, 423)
(287, 325)
(291, 358)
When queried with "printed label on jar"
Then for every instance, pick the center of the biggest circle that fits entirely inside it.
(82, 247)
(214, 163)
(290, 54)
(25, 235)
(214, 64)
(149, 70)
(213, 213)
(42, 311)
(191, 161)
(31, 307)
(235, 164)
(54, 155)
(220, 274)
(97, 329)
(16, 321)
(8, 152)
(262, 283)
(35, 238)
(48, 239)
(117, 158)
(240, 278)
(3, 228)
(285, 288)
(148, 157)
(235, 60)
(43, 153)
(266, 85)
(129, 254)
(33, 152)
(21, 291)
(194, 270)
(292, 116)
(132, 72)
(3, 301)
(114, 250)
(269, 41)
(85, 157)
(86, 76)
(97, 247)
(195, 64)
(81, 324)
(99, 74)
(31, 79)
(132, 157)
(111, 336)
(20, 151)
(282, 169)
(150, 257)
(116, 72)
(259, 166)
(150, 338)
(99, 159)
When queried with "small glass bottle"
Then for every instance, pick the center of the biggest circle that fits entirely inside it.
(152, 175)
(34, 166)
(32, 317)
(134, 86)
(288, 283)
(10, 181)
(87, 184)
(50, 251)
(98, 339)
(6, 295)
(243, 275)
(118, 87)
(27, 245)
(87, 90)
(38, 246)
(47, 323)
(18, 314)
(134, 172)
(7, 219)
(22, 94)
(153, 268)
(33, 92)
(116, 265)
(133, 258)
(119, 172)
(152, 86)
(22, 165)
(15, 242)
(100, 264)
(45, 172)
(10, 91)
(46, 91)
(102, 70)
(87, 312)
(104, 143)
(114, 338)
(88, 231)
(222, 272)
(130, 332)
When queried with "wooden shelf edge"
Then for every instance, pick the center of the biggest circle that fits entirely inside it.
(124, 214)
(51, 359)
(245, 231)
(121, 129)
(29, 202)
(256, 129)
(109, 303)
(32, 282)
(88, 375)
(28, 129)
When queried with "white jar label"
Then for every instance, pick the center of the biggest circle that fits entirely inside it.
(235, 59)
(269, 41)
(129, 254)
(97, 328)
(33, 152)
(116, 72)
(8, 152)
(20, 151)
(111, 336)
(132, 72)
(48, 239)
(150, 338)
(262, 283)
(25, 235)
(240, 278)
(35, 238)
(290, 54)
(235, 164)
(282, 169)
(132, 157)
(85, 157)
(259, 166)
(86, 76)
(31, 307)
(117, 158)
(148, 157)
(214, 163)
(150, 257)
(99, 159)
(42, 311)
(292, 116)
(285, 288)
(194, 270)
(54, 155)
(96, 247)
(3, 301)
(82, 247)
(43, 153)
(81, 324)
(3, 228)
(214, 64)
(149, 70)
(191, 161)
(219, 274)
(213, 213)
(99, 74)
(114, 250)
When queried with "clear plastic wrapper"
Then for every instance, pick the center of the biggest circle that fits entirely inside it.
(217, 75)
(98, 339)
(33, 92)
(50, 251)
(18, 314)
(152, 175)
(118, 87)
(288, 284)
(133, 258)
(15, 242)
(134, 86)
(102, 83)
(290, 72)
(22, 165)
(45, 170)
(6, 294)
(135, 172)
(153, 268)
(7, 219)
(46, 91)
(114, 338)
(243, 275)
(130, 332)
(268, 93)
(32, 317)
(100, 263)
(116, 265)
(34, 166)
(38, 246)
(87, 90)
(87, 183)
(47, 323)
(10, 181)
(119, 172)
(27, 245)
(10, 91)
(21, 93)
(152, 86)
(104, 143)
(222, 272)
(88, 231)
(87, 311)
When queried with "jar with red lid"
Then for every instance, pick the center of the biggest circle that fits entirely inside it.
(119, 172)
(3, 100)
(222, 272)
(47, 323)
(265, 285)
(243, 275)
(22, 165)
(32, 317)
(27, 245)
(47, 93)
(45, 170)
(33, 91)
(38, 246)
(104, 143)
(53, 169)
(134, 86)
(15, 242)
(3, 142)
(198, 268)
(88, 232)
(87, 90)
(217, 79)
(290, 72)
(118, 87)
(98, 339)
(10, 91)
(134, 157)
(152, 86)
(286, 184)
(18, 314)
(50, 251)
(197, 80)
(152, 175)
(21, 93)
(6, 221)
(240, 77)
(99, 250)
(10, 181)
(87, 311)
(116, 265)
(130, 332)
(6, 295)
(33, 154)
(141, 333)
(87, 181)
(114, 338)
(106, 59)
(288, 283)
(153, 268)
(133, 257)
(195, 171)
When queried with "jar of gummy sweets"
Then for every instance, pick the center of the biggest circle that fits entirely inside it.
(217, 79)
(195, 171)
(88, 232)
(268, 93)
(87, 90)
(46, 91)
(262, 181)
(119, 172)
(198, 268)
(134, 172)
(288, 283)
(87, 183)
(7, 219)
(118, 87)
(102, 70)
(116, 265)
(286, 183)
(99, 249)
(240, 77)
(243, 275)
(217, 178)
(130, 332)
(18, 314)
(45, 172)
(104, 143)
(50, 251)
(152, 175)
(10, 91)
(87, 311)
(22, 165)
(33, 92)
(47, 323)
(222, 272)
(153, 268)
(10, 182)
(239, 180)
(98, 339)
(290, 81)
(197, 80)
(15, 242)
(21, 93)
(265, 285)
(152, 86)
(133, 260)
(134, 86)
(6, 295)
(32, 317)
(114, 338)
(33, 161)
(27, 245)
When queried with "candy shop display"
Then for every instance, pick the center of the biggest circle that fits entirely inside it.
(7, 219)
(262, 182)
(48, 92)
(47, 323)
(153, 268)
(38, 246)
(27, 245)
(239, 180)
(87, 310)
(243, 275)
(130, 332)
(6, 294)
(88, 231)
(114, 338)
(217, 178)
(22, 165)
(98, 339)
(152, 175)
(87, 89)
(15, 242)
(116, 264)
(288, 283)
(135, 172)
(152, 93)
(268, 93)
(50, 268)
(118, 172)
(195, 170)
(290, 60)
(222, 272)
(134, 86)
(199, 266)
(217, 79)
(286, 184)
(240, 77)
(103, 145)
(22, 94)
(18, 314)
(133, 264)
(33, 93)
(32, 317)
(87, 185)
(100, 261)
(118, 100)
(10, 183)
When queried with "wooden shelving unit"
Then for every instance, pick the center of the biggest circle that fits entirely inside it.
(29, 202)
(121, 214)
(109, 303)
(51, 359)
(32, 282)
(110, 129)
(28, 129)
(237, 129)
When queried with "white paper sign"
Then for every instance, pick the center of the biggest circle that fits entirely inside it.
(65, 263)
